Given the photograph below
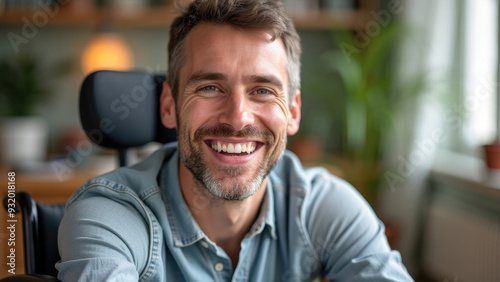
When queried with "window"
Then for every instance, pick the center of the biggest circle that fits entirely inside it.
(480, 72)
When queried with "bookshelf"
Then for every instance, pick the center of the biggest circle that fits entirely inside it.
(162, 17)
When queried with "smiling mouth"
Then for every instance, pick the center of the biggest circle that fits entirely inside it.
(234, 149)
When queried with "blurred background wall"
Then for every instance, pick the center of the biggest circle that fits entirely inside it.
(398, 98)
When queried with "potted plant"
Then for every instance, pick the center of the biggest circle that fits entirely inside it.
(23, 136)
(360, 96)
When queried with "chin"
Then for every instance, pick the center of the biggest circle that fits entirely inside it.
(233, 189)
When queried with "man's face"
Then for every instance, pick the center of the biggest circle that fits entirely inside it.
(233, 112)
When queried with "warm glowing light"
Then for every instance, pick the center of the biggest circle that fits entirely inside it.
(106, 51)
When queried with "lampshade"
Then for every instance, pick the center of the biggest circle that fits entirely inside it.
(106, 51)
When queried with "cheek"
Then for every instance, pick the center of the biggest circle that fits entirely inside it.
(194, 113)
(275, 118)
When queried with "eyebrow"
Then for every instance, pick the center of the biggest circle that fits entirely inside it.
(271, 79)
(203, 76)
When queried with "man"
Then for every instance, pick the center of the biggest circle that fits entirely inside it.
(226, 203)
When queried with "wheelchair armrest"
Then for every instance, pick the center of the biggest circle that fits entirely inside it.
(29, 278)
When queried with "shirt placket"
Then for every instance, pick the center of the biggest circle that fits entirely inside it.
(218, 261)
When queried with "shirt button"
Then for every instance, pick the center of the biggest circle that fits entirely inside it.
(204, 244)
(219, 267)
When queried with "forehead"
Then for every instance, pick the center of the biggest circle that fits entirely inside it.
(222, 47)
(213, 33)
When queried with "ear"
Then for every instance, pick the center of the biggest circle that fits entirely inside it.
(294, 121)
(167, 107)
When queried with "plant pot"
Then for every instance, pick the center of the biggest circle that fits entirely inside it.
(309, 149)
(22, 139)
(492, 155)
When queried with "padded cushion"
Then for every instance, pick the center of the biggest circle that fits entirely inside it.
(29, 278)
(121, 109)
(46, 251)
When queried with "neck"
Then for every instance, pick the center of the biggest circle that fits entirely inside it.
(224, 222)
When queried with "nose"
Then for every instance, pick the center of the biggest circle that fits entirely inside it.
(236, 111)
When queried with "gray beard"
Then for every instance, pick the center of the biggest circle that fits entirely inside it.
(191, 156)
(235, 192)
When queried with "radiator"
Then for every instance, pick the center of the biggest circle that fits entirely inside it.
(461, 244)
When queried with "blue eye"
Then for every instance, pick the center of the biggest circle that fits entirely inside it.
(210, 88)
(262, 92)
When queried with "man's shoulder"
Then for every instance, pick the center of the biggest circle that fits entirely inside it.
(324, 205)
(315, 191)
(310, 182)
(136, 181)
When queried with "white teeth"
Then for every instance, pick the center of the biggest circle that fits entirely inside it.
(249, 148)
(237, 148)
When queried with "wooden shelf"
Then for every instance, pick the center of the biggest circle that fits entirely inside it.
(159, 17)
(163, 17)
(326, 19)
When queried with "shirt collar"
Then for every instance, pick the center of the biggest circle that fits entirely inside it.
(266, 215)
(270, 215)
(185, 230)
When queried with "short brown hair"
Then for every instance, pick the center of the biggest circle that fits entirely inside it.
(267, 15)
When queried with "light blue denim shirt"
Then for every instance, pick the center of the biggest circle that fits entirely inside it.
(133, 224)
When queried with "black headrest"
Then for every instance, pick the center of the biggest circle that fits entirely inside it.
(121, 109)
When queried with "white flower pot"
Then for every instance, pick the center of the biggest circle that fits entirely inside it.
(22, 139)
